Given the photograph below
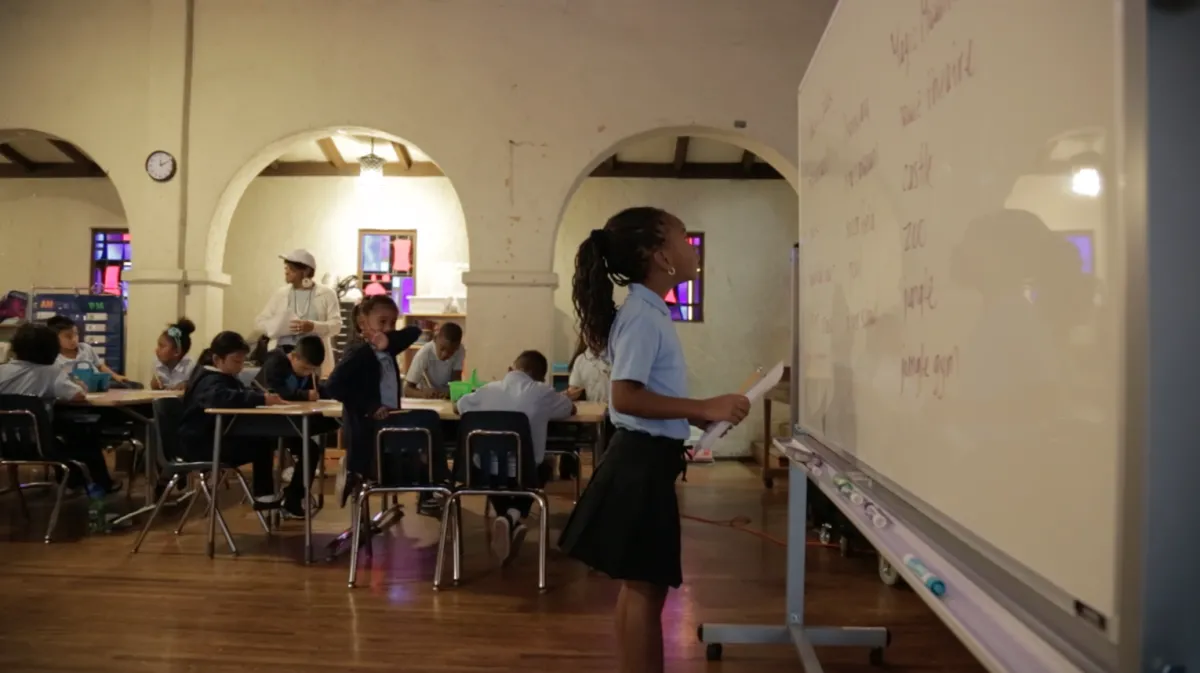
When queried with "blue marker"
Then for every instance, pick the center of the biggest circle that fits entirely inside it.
(931, 581)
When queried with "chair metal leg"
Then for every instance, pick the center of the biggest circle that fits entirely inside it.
(447, 515)
(458, 551)
(212, 499)
(58, 498)
(14, 481)
(249, 495)
(544, 535)
(154, 513)
(359, 508)
(187, 513)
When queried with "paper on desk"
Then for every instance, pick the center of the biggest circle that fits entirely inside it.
(756, 391)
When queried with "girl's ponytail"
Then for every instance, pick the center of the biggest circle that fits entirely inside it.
(592, 291)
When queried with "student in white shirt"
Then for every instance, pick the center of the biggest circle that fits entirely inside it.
(589, 376)
(437, 364)
(524, 389)
(33, 372)
(72, 350)
(301, 307)
(174, 367)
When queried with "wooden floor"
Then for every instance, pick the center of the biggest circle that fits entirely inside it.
(86, 604)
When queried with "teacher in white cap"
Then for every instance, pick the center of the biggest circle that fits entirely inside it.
(301, 307)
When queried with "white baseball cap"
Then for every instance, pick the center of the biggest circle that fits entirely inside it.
(300, 256)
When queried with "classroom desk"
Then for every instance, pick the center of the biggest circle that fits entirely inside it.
(272, 422)
(136, 405)
(585, 412)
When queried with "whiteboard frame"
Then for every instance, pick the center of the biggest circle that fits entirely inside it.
(1042, 606)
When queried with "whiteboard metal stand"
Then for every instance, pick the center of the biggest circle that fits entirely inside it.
(793, 630)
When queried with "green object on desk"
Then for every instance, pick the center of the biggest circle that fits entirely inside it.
(474, 380)
(459, 389)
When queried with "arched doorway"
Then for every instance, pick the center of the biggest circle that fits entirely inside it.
(59, 205)
(376, 212)
(741, 212)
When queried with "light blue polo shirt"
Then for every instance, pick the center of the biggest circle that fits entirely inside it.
(389, 389)
(644, 347)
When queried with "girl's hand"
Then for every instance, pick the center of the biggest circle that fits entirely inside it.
(313, 396)
(574, 393)
(726, 408)
(156, 384)
(378, 340)
(273, 400)
(380, 413)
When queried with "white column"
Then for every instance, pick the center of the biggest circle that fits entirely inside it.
(508, 312)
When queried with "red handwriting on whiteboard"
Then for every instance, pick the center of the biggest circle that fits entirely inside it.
(919, 296)
(819, 169)
(914, 234)
(916, 366)
(904, 42)
(855, 269)
(863, 167)
(855, 121)
(950, 76)
(919, 173)
(861, 224)
(932, 13)
(862, 319)
(820, 276)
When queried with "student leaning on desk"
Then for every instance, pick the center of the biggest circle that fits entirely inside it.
(215, 385)
(437, 364)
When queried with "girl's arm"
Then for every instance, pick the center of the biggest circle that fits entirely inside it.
(632, 398)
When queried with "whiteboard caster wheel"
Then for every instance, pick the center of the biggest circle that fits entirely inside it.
(825, 534)
(887, 573)
(844, 546)
(875, 658)
(713, 652)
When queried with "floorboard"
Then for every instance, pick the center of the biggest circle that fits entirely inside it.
(85, 604)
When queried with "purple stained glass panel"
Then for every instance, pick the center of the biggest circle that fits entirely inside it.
(407, 290)
(1083, 243)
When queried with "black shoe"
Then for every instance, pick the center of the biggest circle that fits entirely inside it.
(431, 504)
(567, 467)
(267, 502)
(293, 507)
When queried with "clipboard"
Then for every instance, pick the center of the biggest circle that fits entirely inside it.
(768, 381)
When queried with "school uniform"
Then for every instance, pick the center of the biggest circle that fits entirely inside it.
(84, 354)
(539, 402)
(174, 377)
(626, 523)
(592, 374)
(364, 381)
(80, 441)
(278, 376)
(212, 389)
(428, 371)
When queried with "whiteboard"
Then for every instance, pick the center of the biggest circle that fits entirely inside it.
(959, 292)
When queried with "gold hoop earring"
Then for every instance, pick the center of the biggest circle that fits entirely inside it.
(670, 271)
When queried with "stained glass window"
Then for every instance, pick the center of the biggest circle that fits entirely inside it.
(387, 264)
(686, 300)
(111, 258)
(1082, 240)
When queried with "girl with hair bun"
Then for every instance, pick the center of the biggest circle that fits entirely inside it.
(174, 367)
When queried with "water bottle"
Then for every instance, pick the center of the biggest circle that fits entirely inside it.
(97, 516)
(512, 465)
(495, 465)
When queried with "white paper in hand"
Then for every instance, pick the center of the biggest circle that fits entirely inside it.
(756, 391)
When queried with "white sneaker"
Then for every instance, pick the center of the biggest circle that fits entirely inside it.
(502, 538)
(518, 536)
(339, 483)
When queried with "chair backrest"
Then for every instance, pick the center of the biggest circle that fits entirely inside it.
(25, 428)
(168, 411)
(498, 447)
(406, 446)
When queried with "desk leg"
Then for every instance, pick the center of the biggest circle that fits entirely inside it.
(306, 452)
(215, 475)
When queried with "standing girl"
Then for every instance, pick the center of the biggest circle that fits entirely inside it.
(626, 523)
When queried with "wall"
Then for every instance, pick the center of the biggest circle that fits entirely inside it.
(749, 228)
(45, 230)
(515, 100)
(323, 215)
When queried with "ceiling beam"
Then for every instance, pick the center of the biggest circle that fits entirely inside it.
(403, 155)
(321, 169)
(76, 156)
(50, 171)
(747, 161)
(609, 164)
(332, 155)
(681, 148)
(9, 152)
(690, 171)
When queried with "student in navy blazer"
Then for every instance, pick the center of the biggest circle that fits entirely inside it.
(367, 381)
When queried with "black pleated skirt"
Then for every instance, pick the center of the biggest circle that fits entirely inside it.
(626, 523)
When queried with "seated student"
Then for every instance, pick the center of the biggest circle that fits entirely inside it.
(437, 364)
(367, 382)
(524, 389)
(589, 380)
(72, 350)
(291, 373)
(174, 367)
(32, 372)
(215, 385)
